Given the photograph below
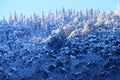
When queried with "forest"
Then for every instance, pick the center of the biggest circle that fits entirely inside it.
(66, 45)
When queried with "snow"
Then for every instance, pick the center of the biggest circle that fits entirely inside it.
(67, 46)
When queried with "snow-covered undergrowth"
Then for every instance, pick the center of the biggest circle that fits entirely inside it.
(66, 46)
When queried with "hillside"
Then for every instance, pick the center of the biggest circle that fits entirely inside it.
(67, 45)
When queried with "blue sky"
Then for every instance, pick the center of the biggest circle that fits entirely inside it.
(27, 7)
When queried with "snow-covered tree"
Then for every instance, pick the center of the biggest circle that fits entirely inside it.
(47, 28)
(21, 18)
(34, 17)
(43, 18)
(91, 14)
(63, 11)
(68, 29)
(80, 15)
(10, 19)
(3, 21)
(15, 17)
(86, 27)
(118, 10)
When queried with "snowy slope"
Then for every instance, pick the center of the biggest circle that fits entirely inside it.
(66, 46)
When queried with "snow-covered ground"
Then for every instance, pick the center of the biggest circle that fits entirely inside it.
(66, 46)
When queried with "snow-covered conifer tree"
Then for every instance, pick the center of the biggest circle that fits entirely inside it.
(10, 19)
(15, 17)
(47, 28)
(34, 18)
(21, 18)
(91, 13)
(43, 18)
(63, 10)
(118, 10)
(3, 22)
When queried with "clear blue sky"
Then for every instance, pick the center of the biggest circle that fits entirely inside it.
(27, 7)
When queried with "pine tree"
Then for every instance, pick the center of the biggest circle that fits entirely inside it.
(81, 15)
(15, 17)
(43, 18)
(87, 14)
(69, 12)
(34, 17)
(63, 10)
(47, 28)
(118, 10)
(21, 18)
(10, 19)
(57, 13)
(3, 22)
(91, 13)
